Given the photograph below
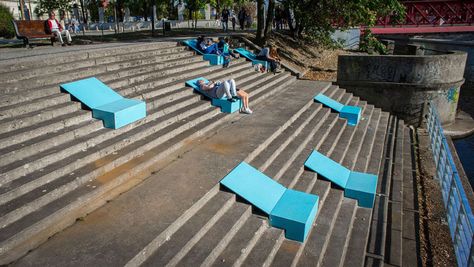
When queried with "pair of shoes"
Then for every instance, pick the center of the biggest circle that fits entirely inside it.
(231, 99)
(69, 44)
(235, 97)
(246, 110)
(277, 70)
(63, 44)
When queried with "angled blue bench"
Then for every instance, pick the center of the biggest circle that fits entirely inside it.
(290, 210)
(356, 185)
(107, 105)
(251, 56)
(212, 58)
(225, 105)
(351, 113)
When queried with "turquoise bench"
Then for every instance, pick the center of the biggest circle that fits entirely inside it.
(290, 210)
(351, 113)
(251, 56)
(212, 58)
(107, 105)
(225, 105)
(356, 185)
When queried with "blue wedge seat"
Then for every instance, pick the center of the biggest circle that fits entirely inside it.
(225, 105)
(288, 209)
(351, 113)
(251, 56)
(212, 58)
(106, 104)
(356, 185)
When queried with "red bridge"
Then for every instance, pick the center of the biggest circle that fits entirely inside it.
(433, 16)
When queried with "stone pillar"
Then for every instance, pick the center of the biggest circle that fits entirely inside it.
(207, 11)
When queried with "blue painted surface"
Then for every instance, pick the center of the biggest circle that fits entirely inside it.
(362, 186)
(356, 185)
(327, 101)
(328, 168)
(254, 186)
(212, 58)
(225, 105)
(251, 56)
(288, 209)
(351, 113)
(465, 150)
(295, 212)
(91, 92)
(106, 104)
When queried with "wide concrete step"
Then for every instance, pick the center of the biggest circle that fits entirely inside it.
(155, 99)
(36, 59)
(97, 144)
(134, 58)
(99, 167)
(23, 132)
(30, 92)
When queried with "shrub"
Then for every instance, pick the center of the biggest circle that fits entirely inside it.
(6, 26)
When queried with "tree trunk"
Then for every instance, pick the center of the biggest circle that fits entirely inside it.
(218, 9)
(260, 21)
(270, 16)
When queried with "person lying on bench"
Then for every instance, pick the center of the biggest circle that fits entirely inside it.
(226, 88)
(207, 46)
(58, 30)
(265, 55)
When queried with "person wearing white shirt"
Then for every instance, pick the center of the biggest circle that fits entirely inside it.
(58, 30)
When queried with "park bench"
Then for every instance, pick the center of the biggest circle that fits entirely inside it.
(27, 30)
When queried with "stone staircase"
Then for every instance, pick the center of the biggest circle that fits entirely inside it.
(58, 164)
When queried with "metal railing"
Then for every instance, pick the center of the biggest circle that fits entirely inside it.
(459, 213)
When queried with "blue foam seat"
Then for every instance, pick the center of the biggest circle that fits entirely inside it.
(251, 56)
(356, 185)
(225, 105)
(106, 104)
(213, 59)
(288, 209)
(351, 113)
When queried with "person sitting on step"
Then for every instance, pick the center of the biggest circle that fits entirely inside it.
(228, 88)
(56, 29)
(265, 56)
(227, 54)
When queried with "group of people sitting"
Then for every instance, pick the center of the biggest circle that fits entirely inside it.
(208, 46)
(53, 26)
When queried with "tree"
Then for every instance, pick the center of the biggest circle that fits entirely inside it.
(270, 17)
(44, 6)
(260, 22)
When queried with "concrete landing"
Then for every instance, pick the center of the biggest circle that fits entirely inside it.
(463, 126)
(115, 233)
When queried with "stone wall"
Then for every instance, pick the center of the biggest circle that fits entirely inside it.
(403, 84)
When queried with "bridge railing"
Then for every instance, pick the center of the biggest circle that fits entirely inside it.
(459, 213)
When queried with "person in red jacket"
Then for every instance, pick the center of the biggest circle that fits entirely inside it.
(56, 29)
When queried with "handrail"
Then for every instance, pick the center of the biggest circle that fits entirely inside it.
(458, 210)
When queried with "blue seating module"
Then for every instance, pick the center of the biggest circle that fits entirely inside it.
(106, 104)
(225, 105)
(288, 209)
(356, 185)
(251, 56)
(351, 113)
(212, 58)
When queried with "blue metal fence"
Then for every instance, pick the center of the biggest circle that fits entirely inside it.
(459, 213)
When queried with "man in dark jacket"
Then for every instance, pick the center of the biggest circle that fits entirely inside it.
(241, 18)
(225, 19)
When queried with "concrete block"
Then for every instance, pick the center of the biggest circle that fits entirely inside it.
(362, 186)
(251, 56)
(328, 168)
(120, 112)
(254, 186)
(352, 114)
(105, 103)
(225, 105)
(295, 213)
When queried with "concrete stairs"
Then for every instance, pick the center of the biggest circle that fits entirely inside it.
(58, 164)
(63, 165)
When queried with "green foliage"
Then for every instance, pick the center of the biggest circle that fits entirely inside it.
(369, 43)
(44, 6)
(6, 26)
